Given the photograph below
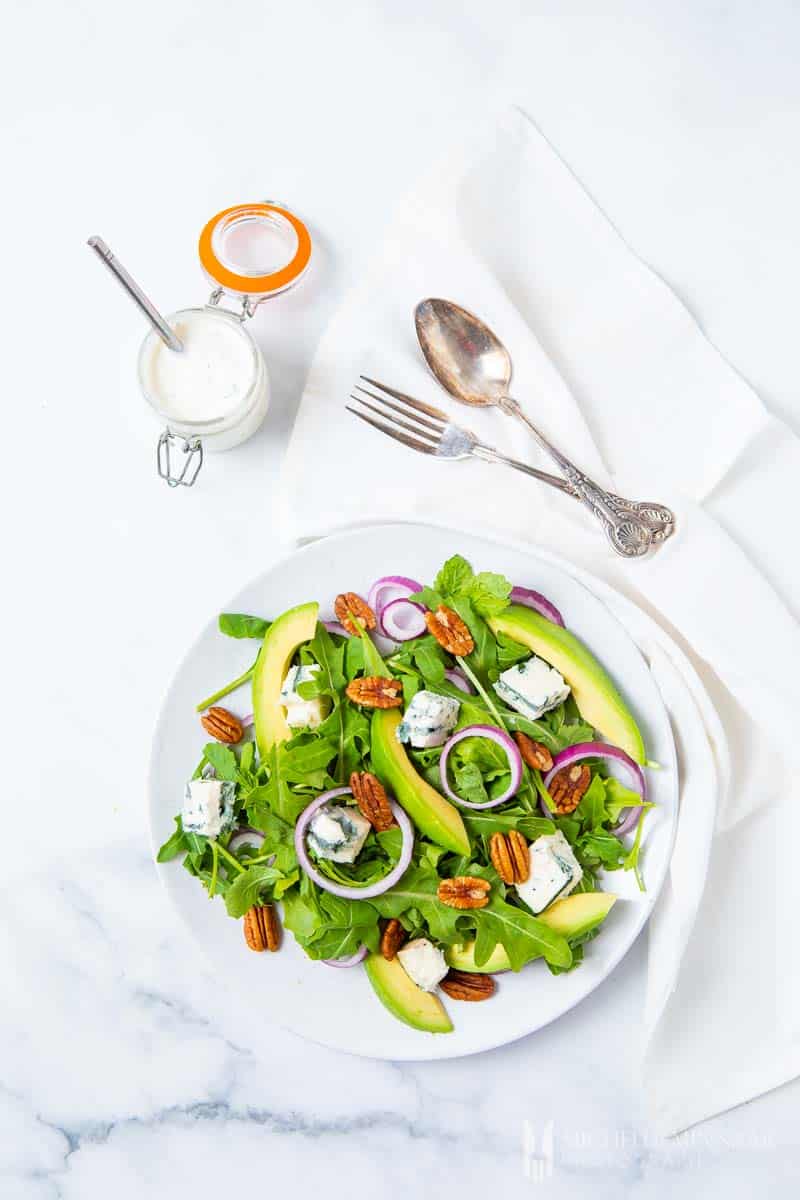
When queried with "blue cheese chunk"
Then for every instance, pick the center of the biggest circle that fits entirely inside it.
(208, 807)
(300, 713)
(337, 832)
(555, 871)
(532, 687)
(423, 963)
(428, 720)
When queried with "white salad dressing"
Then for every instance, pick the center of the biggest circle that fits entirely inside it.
(213, 374)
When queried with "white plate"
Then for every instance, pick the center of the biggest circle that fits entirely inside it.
(307, 997)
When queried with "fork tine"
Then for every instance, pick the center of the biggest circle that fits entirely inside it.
(424, 447)
(433, 438)
(418, 404)
(436, 426)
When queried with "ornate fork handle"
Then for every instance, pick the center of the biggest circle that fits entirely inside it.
(632, 527)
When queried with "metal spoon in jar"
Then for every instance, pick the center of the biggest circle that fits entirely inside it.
(164, 331)
(473, 365)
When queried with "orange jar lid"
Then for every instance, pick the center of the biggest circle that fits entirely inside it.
(255, 250)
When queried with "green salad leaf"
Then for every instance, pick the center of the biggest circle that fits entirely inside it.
(239, 625)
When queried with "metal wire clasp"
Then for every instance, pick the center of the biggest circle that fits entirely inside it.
(192, 452)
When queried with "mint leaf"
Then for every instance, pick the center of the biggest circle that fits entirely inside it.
(489, 593)
(454, 578)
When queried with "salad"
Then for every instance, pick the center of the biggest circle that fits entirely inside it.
(432, 787)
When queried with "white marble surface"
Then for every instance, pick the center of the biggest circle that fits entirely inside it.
(125, 1065)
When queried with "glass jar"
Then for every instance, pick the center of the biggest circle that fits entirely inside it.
(214, 394)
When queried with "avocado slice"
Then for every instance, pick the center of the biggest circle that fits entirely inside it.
(430, 812)
(280, 644)
(595, 694)
(404, 1000)
(570, 917)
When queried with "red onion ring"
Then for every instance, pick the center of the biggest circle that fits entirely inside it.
(402, 619)
(389, 588)
(538, 602)
(338, 889)
(244, 836)
(573, 754)
(459, 680)
(247, 721)
(352, 961)
(501, 739)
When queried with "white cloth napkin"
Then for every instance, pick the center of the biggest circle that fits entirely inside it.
(618, 374)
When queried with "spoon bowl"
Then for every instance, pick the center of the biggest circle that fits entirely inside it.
(467, 359)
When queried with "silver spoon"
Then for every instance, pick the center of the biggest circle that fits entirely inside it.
(473, 365)
(164, 331)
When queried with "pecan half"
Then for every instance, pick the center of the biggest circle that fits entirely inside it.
(450, 631)
(464, 891)
(348, 605)
(392, 939)
(468, 985)
(374, 691)
(509, 855)
(370, 796)
(569, 786)
(534, 753)
(222, 725)
(262, 929)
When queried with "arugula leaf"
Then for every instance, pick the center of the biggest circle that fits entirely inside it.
(494, 821)
(591, 811)
(416, 892)
(429, 659)
(223, 760)
(619, 797)
(278, 837)
(301, 759)
(302, 915)
(174, 844)
(353, 658)
(468, 783)
(330, 658)
(275, 795)
(249, 888)
(601, 846)
(346, 725)
(483, 659)
(240, 625)
(328, 926)
(247, 758)
(521, 935)
(509, 652)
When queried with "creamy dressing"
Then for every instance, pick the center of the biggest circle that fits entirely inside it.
(210, 378)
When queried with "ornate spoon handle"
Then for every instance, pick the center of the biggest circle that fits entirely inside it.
(632, 527)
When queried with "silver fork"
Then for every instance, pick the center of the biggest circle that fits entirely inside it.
(432, 432)
(427, 429)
